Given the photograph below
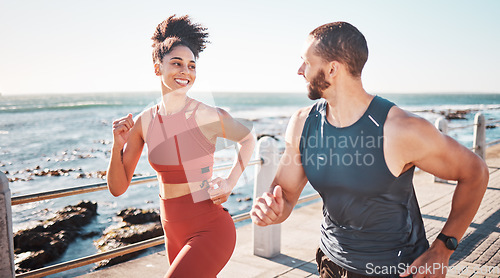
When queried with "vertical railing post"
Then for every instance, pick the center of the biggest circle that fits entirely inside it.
(266, 240)
(479, 144)
(442, 125)
(6, 240)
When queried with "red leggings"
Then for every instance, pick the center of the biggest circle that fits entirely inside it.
(199, 237)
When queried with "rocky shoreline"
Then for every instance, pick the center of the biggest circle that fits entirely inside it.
(137, 225)
(36, 247)
(28, 173)
(40, 245)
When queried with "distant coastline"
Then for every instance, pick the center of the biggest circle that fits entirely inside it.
(240, 92)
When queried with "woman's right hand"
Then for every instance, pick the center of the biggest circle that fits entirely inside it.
(121, 130)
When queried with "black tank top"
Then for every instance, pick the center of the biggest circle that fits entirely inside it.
(371, 217)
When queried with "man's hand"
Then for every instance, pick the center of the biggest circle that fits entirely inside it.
(432, 263)
(268, 208)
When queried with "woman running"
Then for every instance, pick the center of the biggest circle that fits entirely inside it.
(181, 134)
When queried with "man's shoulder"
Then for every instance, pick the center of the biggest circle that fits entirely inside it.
(303, 112)
(405, 123)
(296, 125)
(299, 117)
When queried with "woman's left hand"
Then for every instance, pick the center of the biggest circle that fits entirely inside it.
(219, 190)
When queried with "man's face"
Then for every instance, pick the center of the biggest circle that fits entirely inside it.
(317, 86)
(312, 70)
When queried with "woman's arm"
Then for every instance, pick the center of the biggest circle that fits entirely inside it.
(233, 130)
(127, 147)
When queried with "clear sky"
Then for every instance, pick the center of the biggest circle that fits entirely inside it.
(66, 46)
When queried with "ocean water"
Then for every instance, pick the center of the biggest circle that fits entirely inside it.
(73, 132)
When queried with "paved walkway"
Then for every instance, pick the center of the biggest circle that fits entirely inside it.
(477, 254)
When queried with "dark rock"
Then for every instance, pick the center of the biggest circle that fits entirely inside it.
(88, 175)
(137, 225)
(48, 172)
(268, 135)
(132, 233)
(37, 246)
(89, 234)
(491, 126)
(246, 199)
(455, 115)
(138, 216)
(34, 259)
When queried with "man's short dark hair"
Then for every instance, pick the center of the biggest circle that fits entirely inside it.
(342, 42)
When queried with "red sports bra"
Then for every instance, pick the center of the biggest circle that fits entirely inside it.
(177, 149)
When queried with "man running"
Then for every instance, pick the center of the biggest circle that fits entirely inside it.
(359, 152)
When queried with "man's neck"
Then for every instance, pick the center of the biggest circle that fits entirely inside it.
(347, 102)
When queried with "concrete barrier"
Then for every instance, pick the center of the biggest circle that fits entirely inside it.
(442, 125)
(479, 143)
(266, 240)
(6, 240)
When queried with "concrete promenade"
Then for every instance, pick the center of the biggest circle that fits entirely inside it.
(477, 254)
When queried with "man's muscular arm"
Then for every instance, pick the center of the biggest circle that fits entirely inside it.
(422, 145)
(275, 206)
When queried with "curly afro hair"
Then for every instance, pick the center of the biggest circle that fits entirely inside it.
(175, 31)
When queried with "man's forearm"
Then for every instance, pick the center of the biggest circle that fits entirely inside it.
(465, 203)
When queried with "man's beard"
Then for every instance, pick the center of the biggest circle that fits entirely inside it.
(317, 86)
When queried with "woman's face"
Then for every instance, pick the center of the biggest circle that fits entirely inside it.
(178, 68)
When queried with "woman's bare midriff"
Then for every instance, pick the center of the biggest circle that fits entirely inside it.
(170, 191)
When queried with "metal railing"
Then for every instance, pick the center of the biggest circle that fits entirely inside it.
(35, 197)
(52, 269)
(479, 129)
(493, 142)
(479, 143)
(263, 178)
(120, 251)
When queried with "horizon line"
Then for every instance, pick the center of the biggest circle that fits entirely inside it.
(236, 92)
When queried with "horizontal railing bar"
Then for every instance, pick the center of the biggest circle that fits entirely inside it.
(308, 198)
(241, 217)
(93, 258)
(229, 166)
(35, 197)
(493, 122)
(492, 142)
(461, 127)
(471, 125)
(124, 250)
